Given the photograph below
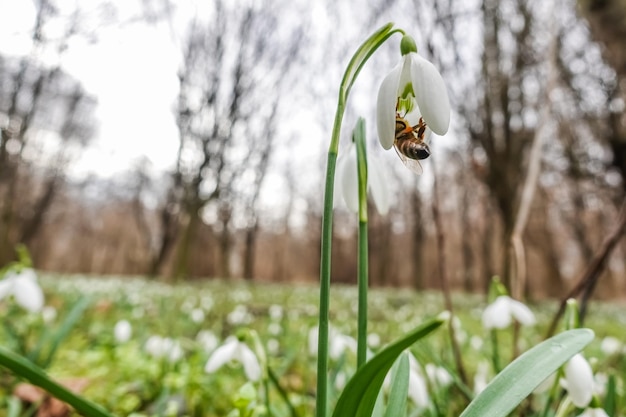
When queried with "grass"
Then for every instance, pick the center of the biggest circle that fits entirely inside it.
(126, 379)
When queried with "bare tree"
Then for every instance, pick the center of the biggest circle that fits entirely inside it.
(41, 107)
(233, 65)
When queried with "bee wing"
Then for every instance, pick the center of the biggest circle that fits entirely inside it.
(412, 164)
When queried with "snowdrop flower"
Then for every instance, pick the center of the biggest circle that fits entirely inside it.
(610, 346)
(122, 331)
(48, 314)
(481, 378)
(417, 384)
(24, 288)
(438, 375)
(197, 315)
(338, 343)
(594, 412)
(578, 380)
(414, 85)
(235, 350)
(207, 340)
(500, 313)
(346, 182)
(159, 347)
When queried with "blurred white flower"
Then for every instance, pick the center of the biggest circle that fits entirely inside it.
(347, 181)
(373, 340)
(122, 331)
(207, 339)
(578, 380)
(239, 315)
(610, 346)
(417, 384)
(159, 347)
(197, 315)
(337, 343)
(417, 390)
(235, 350)
(24, 288)
(594, 412)
(481, 378)
(276, 312)
(48, 314)
(438, 375)
(500, 313)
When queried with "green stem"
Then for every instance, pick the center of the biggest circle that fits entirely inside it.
(495, 356)
(362, 271)
(36, 376)
(354, 67)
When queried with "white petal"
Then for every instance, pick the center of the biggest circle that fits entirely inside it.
(349, 180)
(378, 185)
(6, 286)
(122, 331)
(431, 94)
(313, 340)
(27, 292)
(579, 380)
(417, 389)
(497, 315)
(386, 107)
(250, 362)
(221, 355)
(521, 313)
(594, 412)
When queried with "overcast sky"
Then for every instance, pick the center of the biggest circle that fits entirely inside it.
(131, 70)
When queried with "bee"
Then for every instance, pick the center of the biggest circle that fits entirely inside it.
(409, 143)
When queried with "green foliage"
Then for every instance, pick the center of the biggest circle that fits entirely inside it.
(125, 379)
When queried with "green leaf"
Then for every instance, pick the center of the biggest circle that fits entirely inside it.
(36, 376)
(399, 387)
(53, 342)
(525, 373)
(359, 396)
(610, 399)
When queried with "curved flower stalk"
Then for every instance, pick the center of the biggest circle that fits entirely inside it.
(24, 288)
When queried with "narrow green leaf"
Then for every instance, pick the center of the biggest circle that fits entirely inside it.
(399, 387)
(524, 374)
(610, 399)
(36, 376)
(359, 396)
(14, 406)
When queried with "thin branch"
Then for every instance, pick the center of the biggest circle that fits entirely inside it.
(590, 277)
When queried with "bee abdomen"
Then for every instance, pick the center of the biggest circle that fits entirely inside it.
(415, 150)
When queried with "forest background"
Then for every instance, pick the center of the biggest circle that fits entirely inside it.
(255, 91)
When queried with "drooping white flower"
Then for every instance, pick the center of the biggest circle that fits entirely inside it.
(159, 347)
(610, 346)
(347, 182)
(338, 343)
(418, 392)
(417, 80)
(122, 331)
(24, 288)
(235, 350)
(500, 313)
(578, 380)
(594, 412)
(207, 340)
(438, 375)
